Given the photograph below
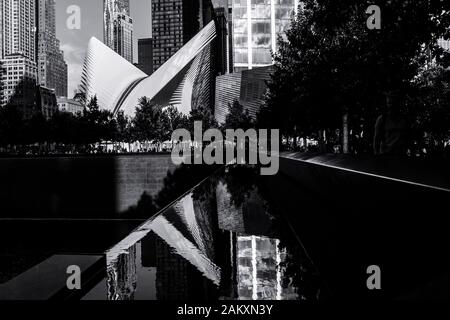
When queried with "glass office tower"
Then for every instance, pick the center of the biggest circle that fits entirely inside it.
(256, 26)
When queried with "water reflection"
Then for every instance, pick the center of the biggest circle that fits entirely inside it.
(224, 240)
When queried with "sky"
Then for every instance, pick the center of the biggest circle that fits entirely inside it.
(74, 42)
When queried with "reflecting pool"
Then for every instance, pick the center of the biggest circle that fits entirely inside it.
(221, 241)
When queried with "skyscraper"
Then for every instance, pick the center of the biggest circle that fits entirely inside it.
(145, 54)
(18, 54)
(123, 36)
(18, 19)
(52, 69)
(256, 26)
(118, 27)
(174, 23)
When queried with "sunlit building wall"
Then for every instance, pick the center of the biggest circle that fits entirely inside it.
(18, 54)
(256, 26)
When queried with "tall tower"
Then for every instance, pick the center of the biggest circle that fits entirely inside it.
(256, 27)
(174, 23)
(18, 54)
(118, 27)
(52, 69)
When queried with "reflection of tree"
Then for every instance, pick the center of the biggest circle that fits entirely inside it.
(240, 182)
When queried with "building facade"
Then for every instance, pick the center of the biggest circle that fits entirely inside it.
(123, 36)
(18, 55)
(18, 83)
(70, 106)
(46, 102)
(256, 26)
(174, 23)
(118, 27)
(52, 69)
(145, 54)
(248, 87)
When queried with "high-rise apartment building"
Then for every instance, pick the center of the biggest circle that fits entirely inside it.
(256, 26)
(118, 27)
(52, 69)
(18, 19)
(18, 54)
(174, 23)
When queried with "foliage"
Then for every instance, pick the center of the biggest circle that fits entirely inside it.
(238, 117)
(331, 64)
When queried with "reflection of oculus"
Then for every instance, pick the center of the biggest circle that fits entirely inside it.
(184, 81)
(182, 230)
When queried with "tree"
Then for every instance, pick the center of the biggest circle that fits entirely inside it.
(150, 122)
(429, 107)
(205, 115)
(238, 117)
(332, 71)
(177, 120)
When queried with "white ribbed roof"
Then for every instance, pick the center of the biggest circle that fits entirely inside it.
(119, 85)
(107, 75)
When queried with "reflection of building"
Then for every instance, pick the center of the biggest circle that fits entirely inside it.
(145, 54)
(256, 26)
(52, 69)
(118, 27)
(185, 81)
(46, 102)
(122, 279)
(70, 105)
(174, 23)
(248, 87)
(260, 271)
(18, 54)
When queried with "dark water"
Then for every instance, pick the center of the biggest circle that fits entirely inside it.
(307, 233)
(54, 209)
(223, 240)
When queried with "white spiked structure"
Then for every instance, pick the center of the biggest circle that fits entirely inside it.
(181, 81)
